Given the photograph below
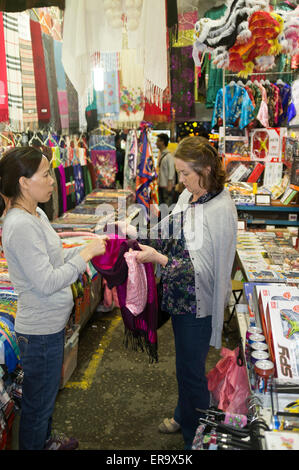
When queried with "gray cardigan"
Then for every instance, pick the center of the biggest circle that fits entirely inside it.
(41, 272)
(213, 260)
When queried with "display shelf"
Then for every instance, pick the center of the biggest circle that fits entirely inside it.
(290, 223)
(263, 208)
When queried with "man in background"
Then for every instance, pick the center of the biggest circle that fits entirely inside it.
(167, 174)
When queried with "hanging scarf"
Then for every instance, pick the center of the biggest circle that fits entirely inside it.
(140, 330)
(182, 82)
(48, 46)
(61, 87)
(73, 106)
(21, 5)
(28, 81)
(130, 165)
(104, 162)
(3, 76)
(146, 174)
(13, 63)
(108, 99)
(42, 93)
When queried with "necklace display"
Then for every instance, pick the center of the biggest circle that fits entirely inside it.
(24, 208)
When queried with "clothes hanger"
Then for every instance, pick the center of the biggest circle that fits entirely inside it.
(35, 137)
(7, 139)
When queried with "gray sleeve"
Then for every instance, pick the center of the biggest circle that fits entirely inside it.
(30, 255)
(69, 253)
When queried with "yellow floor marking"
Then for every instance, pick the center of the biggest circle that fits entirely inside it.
(93, 365)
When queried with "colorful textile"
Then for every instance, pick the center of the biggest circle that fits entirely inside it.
(182, 82)
(42, 93)
(140, 331)
(48, 46)
(130, 165)
(108, 99)
(289, 111)
(61, 87)
(238, 107)
(131, 88)
(21, 5)
(136, 295)
(30, 116)
(13, 64)
(104, 162)
(146, 174)
(63, 187)
(3, 76)
(73, 106)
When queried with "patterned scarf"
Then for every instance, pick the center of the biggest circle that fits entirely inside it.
(28, 81)
(14, 77)
(104, 162)
(4, 116)
(146, 175)
(182, 82)
(42, 93)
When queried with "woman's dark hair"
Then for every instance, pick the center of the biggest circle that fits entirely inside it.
(200, 154)
(15, 163)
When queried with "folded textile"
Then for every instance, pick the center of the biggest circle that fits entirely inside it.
(140, 330)
(136, 295)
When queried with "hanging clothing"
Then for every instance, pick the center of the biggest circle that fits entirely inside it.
(4, 116)
(289, 111)
(14, 76)
(238, 107)
(61, 88)
(130, 165)
(262, 114)
(48, 46)
(42, 93)
(30, 116)
(105, 165)
(182, 83)
(73, 106)
(140, 330)
(146, 174)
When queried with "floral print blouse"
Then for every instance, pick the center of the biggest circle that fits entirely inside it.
(177, 277)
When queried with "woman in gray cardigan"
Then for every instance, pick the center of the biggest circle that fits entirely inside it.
(41, 272)
(196, 249)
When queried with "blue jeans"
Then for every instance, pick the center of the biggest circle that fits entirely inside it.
(41, 360)
(192, 338)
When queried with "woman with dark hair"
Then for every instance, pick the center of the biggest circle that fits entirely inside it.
(41, 273)
(195, 247)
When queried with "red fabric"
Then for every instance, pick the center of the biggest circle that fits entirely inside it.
(41, 84)
(4, 116)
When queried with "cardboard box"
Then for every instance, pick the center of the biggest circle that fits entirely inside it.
(266, 144)
(70, 357)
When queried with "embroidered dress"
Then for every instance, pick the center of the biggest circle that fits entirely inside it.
(238, 107)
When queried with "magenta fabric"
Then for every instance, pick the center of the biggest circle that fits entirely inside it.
(108, 259)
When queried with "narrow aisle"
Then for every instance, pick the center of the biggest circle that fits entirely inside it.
(115, 398)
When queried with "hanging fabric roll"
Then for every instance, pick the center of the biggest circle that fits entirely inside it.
(61, 87)
(3, 76)
(30, 116)
(42, 93)
(13, 63)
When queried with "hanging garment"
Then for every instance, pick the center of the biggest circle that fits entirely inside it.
(42, 93)
(73, 106)
(61, 87)
(130, 164)
(131, 89)
(108, 99)
(182, 83)
(263, 115)
(140, 330)
(13, 64)
(4, 116)
(21, 5)
(48, 46)
(146, 174)
(63, 187)
(277, 104)
(104, 162)
(30, 116)
(289, 111)
(238, 107)
(172, 20)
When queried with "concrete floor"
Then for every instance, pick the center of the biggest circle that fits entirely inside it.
(121, 401)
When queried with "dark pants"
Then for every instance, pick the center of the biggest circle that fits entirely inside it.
(192, 338)
(41, 360)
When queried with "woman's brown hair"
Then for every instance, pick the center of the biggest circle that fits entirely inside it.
(200, 154)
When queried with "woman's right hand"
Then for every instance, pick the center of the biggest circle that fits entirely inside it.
(96, 247)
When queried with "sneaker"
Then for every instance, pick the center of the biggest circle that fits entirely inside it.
(61, 442)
